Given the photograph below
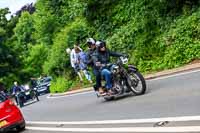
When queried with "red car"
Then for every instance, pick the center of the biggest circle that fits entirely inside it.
(10, 115)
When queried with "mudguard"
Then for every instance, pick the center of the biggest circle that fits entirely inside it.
(133, 68)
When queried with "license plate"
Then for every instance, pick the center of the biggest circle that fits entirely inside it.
(3, 123)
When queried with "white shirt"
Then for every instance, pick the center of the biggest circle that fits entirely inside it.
(73, 58)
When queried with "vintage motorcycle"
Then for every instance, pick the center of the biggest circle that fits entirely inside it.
(26, 95)
(125, 79)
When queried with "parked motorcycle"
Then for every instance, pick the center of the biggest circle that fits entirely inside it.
(125, 79)
(26, 95)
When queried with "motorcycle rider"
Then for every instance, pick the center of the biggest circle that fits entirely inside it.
(33, 83)
(82, 63)
(92, 47)
(100, 60)
(16, 91)
(90, 53)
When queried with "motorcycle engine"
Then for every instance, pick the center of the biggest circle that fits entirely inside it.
(115, 70)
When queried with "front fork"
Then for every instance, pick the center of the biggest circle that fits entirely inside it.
(126, 71)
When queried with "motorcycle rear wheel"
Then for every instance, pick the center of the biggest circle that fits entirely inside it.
(35, 96)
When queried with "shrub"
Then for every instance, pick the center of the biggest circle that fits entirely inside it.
(60, 85)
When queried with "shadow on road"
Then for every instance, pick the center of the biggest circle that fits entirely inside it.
(30, 103)
(117, 98)
(125, 96)
(14, 131)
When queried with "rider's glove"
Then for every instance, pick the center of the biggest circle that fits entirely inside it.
(98, 64)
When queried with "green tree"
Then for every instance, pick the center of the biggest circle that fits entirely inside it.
(8, 59)
(23, 33)
(35, 60)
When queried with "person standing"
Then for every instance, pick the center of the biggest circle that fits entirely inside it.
(33, 83)
(74, 60)
(16, 91)
(2, 89)
(82, 61)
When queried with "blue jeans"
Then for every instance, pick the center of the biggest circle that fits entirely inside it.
(87, 74)
(107, 75)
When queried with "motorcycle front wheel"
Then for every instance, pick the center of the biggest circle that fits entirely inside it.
(36, 96)
(136, 82)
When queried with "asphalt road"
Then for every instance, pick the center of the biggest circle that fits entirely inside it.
(173, 100)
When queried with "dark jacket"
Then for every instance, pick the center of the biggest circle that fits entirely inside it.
(16, 89)
(104, 57)
(90, 53)
(33, 83)
(2, 87)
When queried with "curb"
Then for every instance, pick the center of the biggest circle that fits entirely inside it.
(185, 68)
(71, 92)
(188, 67)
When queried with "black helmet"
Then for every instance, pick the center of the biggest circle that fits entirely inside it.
(101, 44)
(91, 41)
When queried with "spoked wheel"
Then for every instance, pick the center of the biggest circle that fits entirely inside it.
(36, 96)
(21, 103)
(136, 82)
(117, 87)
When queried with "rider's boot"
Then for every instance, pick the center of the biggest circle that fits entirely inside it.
(101, 91)
(110, 92)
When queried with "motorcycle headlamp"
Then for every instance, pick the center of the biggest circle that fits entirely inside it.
(124, 60)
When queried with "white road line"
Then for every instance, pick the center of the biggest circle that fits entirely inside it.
(70, 95)
(175, 75)
(120, 129)
(151, 120)
(159, 78)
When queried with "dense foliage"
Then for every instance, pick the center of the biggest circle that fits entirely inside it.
(157, 34)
